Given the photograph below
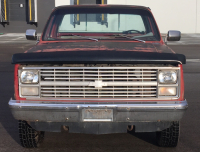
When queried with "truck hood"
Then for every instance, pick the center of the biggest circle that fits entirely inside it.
(107, 46)
(99, 53)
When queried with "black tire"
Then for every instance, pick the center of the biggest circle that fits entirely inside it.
(169, 137)
(29, 137)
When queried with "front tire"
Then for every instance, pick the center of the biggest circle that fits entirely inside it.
(170, 136)
(29, 137)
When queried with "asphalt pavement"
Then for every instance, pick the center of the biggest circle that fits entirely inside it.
(145, 142)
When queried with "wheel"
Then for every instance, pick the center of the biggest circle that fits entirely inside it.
(170, 136)
(29, 137)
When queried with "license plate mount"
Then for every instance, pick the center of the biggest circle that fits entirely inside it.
(92, 115)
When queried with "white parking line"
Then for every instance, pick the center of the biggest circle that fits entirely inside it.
(12, 40)
(13, 35)
(193, 60)
(17, 38)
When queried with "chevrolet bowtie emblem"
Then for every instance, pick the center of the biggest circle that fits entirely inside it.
(97, 84)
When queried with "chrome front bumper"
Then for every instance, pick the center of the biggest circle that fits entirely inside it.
(128, 112)
(50, 116)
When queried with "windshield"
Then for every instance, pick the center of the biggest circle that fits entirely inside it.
(64, 25)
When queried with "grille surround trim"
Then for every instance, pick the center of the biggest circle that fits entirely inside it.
(41, 83)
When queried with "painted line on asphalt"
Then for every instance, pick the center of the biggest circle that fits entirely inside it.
(184, 43)
(192, 60)
(12, 40)
(17, 38)
(13, 35)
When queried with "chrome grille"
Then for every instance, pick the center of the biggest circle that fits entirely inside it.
(98, 82)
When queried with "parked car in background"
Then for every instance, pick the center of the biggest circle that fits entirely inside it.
(99, 69)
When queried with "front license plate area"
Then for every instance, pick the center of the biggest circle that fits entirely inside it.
(104, 115)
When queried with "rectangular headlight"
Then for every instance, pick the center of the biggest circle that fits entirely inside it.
(29, 91)
(167, 91)
(29, 76)
(167, 77)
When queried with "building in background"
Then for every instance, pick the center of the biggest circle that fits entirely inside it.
(18, 15)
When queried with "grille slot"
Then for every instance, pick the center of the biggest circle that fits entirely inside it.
(89, 92)
(71, 82)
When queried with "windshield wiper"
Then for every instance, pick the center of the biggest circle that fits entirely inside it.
(85, 37)
(138, 40)
(125, 36)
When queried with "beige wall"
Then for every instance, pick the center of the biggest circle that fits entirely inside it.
(62, 2)
(198, 16)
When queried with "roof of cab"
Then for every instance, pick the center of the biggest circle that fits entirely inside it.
(102, 5)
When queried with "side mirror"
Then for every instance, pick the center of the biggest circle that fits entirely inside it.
(174, 36)
(31, 34)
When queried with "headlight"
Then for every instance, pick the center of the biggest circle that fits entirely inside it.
(167, 77)
(30, 76)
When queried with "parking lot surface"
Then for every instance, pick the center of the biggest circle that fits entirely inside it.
(145, 142)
